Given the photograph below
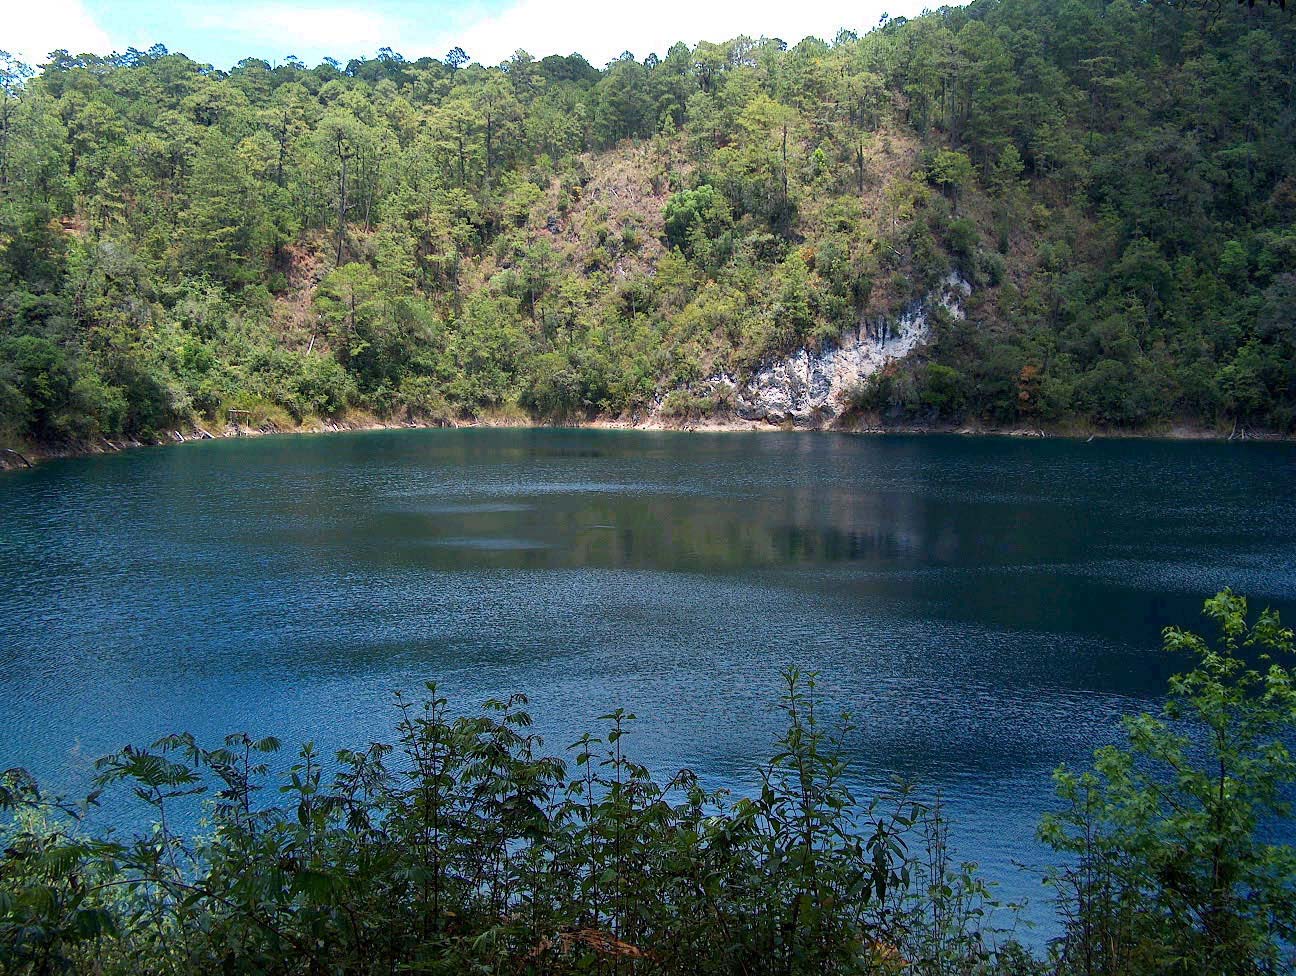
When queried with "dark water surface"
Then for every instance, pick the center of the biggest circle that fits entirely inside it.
(985, 607)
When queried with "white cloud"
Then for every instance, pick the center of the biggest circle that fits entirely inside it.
(601, 30)
(308, 32)
(32, 29)
(598, 29)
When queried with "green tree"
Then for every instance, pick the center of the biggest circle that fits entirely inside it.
(695, 214)
(13, 73)
(226, 231)
(1176, 871)
(350, 303)
(951, 171)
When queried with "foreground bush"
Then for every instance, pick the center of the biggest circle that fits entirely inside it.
(466, 848)
(1177, 866)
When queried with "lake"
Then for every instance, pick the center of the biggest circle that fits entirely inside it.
(985, 607)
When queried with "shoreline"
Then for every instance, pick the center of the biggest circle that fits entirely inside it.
(32, 456)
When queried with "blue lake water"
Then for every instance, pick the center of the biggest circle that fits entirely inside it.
(986, 608)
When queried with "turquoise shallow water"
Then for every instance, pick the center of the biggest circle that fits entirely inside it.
(985, 607)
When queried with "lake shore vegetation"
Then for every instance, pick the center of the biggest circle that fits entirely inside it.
(465, 846)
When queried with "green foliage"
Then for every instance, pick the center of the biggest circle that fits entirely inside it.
(694, 219)
(40, 381)
(351, 309)
(1174, 869)
(943, 389)
(322, 387)
(950, 170)
(486, 348)
(554, 388)
(1118, 189)
(466, 848)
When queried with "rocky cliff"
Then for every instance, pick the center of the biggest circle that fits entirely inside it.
(811, 388)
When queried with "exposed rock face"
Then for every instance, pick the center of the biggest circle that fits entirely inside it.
(810, 387)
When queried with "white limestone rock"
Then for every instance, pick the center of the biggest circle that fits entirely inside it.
(811, 387)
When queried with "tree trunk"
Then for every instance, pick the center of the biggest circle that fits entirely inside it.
(342, 203)
(785, 175)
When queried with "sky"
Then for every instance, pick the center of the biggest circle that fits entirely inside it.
(223, 32)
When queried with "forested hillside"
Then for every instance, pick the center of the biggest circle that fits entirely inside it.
(437, 239)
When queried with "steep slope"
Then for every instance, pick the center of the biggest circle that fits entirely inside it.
(1016, 213)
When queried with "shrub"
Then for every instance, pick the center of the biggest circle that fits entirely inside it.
(943, 389)
(1176, 869)
(464, 848)
(321, 387)
(422, 398)
(693, 215)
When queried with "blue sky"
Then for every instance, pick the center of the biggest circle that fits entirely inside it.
(489, 30)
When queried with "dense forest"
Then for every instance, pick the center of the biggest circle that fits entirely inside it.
(436, 239)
